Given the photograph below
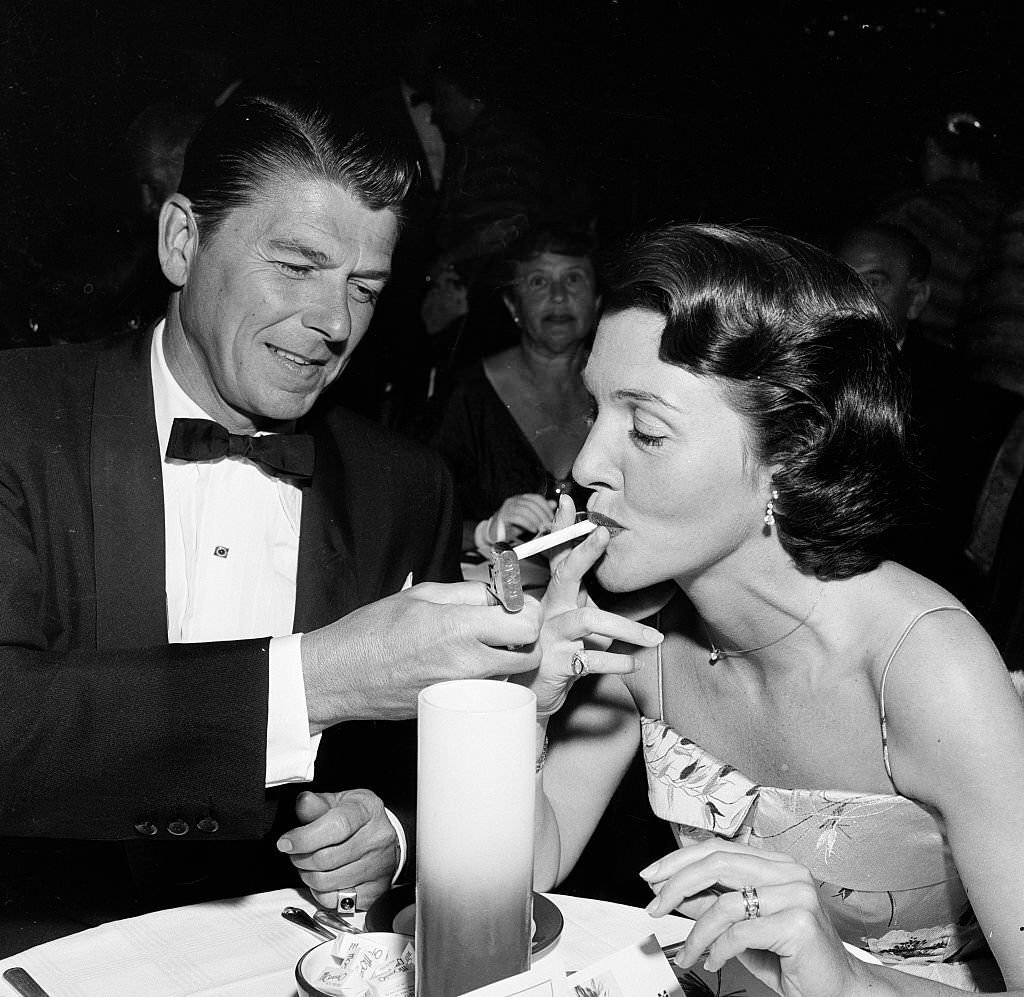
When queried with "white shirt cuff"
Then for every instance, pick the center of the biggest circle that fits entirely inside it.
(291, 749)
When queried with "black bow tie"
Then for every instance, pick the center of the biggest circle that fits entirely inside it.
(282, 454)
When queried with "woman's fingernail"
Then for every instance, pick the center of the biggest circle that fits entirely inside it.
(654, 636)
(284, 845)
(652, 907)
(647, 871)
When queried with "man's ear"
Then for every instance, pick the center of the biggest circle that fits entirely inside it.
(920, 292)
(177, 238)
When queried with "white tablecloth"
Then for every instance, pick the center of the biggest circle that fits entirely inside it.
(244, 948)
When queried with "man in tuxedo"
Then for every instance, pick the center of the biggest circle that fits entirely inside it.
(205, 566)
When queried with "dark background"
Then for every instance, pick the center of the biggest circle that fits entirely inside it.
(798, 114)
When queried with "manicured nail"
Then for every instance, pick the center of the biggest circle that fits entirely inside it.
(285, 845)
(652, 907)
(652, 635)
(648, 871)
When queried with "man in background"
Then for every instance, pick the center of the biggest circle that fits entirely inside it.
(895, 265)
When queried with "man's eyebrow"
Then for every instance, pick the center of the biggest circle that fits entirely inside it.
(303, 249)
(322, 259)
(379, 274)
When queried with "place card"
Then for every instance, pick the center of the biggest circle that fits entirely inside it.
(639, 970)
(532, 983)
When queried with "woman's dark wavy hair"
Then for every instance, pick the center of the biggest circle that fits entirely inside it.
(807, 357)
(253, 143)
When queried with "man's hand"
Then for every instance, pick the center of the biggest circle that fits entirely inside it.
(373, 663)
(346, 842)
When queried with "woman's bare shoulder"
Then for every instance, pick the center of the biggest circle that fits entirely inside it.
(895, 584)
(894, 624)
(885, 603)
(940, 669)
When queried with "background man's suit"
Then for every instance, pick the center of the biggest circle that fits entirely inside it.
(95, 742)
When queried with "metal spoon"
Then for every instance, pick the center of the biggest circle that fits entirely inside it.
(335, 922)
(304, 920)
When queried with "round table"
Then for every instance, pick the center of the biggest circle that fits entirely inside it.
(244, 948)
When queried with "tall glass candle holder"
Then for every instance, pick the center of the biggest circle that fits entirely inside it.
(474, 835)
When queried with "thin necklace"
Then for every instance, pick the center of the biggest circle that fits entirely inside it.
(719, 652)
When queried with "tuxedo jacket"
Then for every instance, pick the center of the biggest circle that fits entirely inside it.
(108, 732)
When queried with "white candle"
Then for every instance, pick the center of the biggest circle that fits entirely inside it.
(474, 835)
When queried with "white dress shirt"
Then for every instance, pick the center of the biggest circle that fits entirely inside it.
(232, 546)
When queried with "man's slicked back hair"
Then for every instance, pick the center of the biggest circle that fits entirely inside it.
(252, 144)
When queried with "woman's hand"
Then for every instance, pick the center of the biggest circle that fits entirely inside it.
(519, 514)
(781, 934)
(569, 621)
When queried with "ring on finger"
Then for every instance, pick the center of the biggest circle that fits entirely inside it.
(751, 903)
(579, 664)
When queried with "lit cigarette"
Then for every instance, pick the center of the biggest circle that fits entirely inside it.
(549, 540)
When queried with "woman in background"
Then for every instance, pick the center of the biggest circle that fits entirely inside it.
(515, 422)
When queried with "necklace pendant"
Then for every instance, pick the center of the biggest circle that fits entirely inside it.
(716, 653)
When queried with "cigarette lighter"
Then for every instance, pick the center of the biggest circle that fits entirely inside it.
(506, 583)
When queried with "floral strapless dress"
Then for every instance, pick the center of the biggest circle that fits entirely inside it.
(882, 862)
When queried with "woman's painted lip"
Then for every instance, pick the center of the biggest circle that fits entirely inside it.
(609, 524)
